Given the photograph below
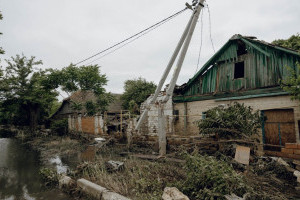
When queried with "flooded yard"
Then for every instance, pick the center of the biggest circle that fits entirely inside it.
(19, 173)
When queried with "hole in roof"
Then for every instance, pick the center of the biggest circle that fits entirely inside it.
(241, 50)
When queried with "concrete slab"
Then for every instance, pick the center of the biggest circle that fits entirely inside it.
(97, 191)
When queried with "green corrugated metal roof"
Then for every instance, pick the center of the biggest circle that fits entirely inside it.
(249, 41)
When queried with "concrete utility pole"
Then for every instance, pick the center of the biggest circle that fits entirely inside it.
(185, 41)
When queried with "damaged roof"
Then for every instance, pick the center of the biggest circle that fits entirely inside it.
(250, 41)
(85, 96)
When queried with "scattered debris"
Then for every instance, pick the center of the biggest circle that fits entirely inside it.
(65, 182)
(113, 166)
(97, 191)
(297, 174)
(100, 140)
(242, 155)
(172, 193)
(233, 197)
(280, 161)
(296, 163)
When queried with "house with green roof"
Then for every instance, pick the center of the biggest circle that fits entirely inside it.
(244, 70)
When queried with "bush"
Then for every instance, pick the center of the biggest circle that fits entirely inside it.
(235, 121)
(59, 127)
(49, 177)
(209, 178)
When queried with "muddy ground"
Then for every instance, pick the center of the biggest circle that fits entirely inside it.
(147, 178)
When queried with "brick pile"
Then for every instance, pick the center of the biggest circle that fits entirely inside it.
(291, 150)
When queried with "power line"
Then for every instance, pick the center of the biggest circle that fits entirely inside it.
(212, 43)
(134, 39)
(199, 55)
(135, 35)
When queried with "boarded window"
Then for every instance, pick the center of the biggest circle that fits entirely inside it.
(239, 70)
(279, 128)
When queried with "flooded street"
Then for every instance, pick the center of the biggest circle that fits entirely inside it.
(19, 173)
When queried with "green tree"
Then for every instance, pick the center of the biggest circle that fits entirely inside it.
(293, 42)
(85, 78)
(136, 91)
(54, 107)
(24, 98)
(292, 83)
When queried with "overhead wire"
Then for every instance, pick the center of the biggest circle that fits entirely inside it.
(130, 41)
(133, 36)
(209, 17)
(200, 49)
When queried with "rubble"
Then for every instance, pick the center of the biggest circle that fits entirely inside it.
(172, 193)
(233, 197)
(100, 140)
(280, 161)
(66, 182)
(113, 166)
(297, 174)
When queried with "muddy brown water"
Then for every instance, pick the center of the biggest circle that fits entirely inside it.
(19, 174)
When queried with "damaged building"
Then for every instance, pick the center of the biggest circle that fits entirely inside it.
(248, 71)
(73, 108)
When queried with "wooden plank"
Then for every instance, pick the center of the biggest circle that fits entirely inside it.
(280, 115)
(279, 126)
(242, 155)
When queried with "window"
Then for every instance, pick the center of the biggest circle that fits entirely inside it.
(239, 70)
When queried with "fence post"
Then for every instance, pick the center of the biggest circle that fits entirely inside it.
(79, 123)
(96, 124)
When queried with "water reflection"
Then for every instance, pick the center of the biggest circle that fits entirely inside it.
(19, 173)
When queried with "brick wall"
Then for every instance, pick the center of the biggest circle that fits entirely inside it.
(290, 150)
(264, 103)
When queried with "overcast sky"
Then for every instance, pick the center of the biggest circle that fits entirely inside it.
(59, 32)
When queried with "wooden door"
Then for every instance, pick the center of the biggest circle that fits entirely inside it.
(279, 127)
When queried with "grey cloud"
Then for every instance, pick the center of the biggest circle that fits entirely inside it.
(63, 31)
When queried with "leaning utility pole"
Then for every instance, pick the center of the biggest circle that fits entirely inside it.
(183, 45)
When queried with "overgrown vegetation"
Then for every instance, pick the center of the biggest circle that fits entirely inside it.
(209, 178)
(200, 177)
(49, 176)
(140, 179)
(234, 121)
(292, 83)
